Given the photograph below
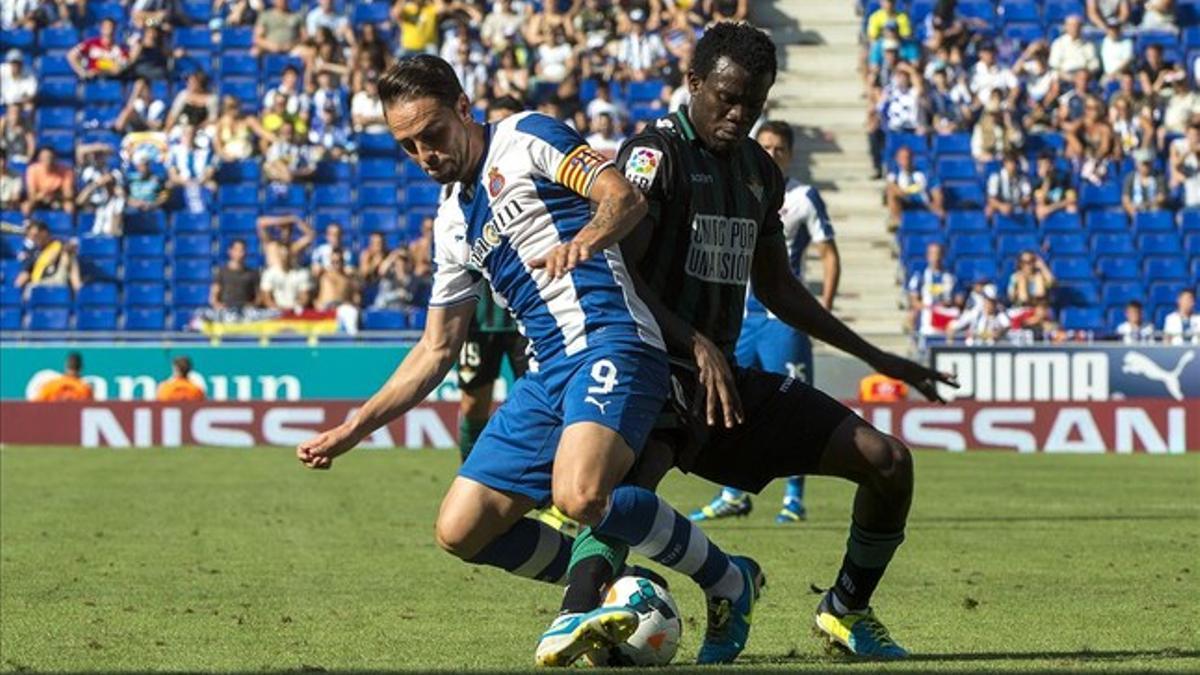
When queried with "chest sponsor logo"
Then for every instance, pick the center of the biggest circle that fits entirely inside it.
(721, 249)
(702, 178)
(490, 235)
(642, 167)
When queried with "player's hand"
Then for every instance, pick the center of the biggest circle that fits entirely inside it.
(925, 380)
(561, 259)
(720, 388)
(319, 451)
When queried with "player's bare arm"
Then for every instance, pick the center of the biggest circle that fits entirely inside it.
(619, 208)
(422, 369)
(787, 297)
(831, 264)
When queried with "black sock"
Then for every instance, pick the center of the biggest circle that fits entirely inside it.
(585, 583)
(867, 557)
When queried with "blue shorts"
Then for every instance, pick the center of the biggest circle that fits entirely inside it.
(620, 386)
(772, 345)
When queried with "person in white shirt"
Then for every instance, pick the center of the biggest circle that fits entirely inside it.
(102, 189)
(323, 253)
(325, 16)
(192, 167)
(640, 52)
(1134, 329)
(17, 13)
(17, 85)
(1116, 53)
(366, 110)
(1009, 190)
(930, 287)
(556, 58)
(605, 139)
(285, 285)
(604, 103)
(1070, 51)
(985, 323)
(298, 102)
(1183, 325)
(990, 75)
(910, 188)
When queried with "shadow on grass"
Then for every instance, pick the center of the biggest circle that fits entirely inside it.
(1083, 655)
(918, 521)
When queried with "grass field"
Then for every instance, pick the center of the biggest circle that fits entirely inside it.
(202, 559)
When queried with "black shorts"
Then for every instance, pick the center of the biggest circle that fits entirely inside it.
(481, 355)
(788, 426)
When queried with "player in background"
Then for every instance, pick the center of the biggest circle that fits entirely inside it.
(180, 387)
(538, 215)
(66, 387)
(712, 227)
(766, 342)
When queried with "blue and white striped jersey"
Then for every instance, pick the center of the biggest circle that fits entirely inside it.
(805, 221)
(531, 195)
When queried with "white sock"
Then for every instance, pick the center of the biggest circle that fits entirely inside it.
(731, 584)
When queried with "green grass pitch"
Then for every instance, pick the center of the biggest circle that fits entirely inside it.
(202, 559)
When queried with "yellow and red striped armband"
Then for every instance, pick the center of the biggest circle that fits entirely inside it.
(579, 169)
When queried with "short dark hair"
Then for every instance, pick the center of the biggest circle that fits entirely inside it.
(74, 361)
(236, 241)
(1134, 303)
(780, 129)
(509, 103)
(183, 364)
(419, 76)
(742, 43)
(38, 225)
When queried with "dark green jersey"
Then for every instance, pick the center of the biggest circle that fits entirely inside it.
(490, 317)
(710, 214)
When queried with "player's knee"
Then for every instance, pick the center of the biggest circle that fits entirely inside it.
(889, 459)
(453, 539)
(584, 504)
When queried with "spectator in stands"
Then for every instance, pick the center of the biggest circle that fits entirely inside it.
(102, 190)
(989, 76)
(229, 13)
(66, 387)
(1039, 323)
(909, 188)
(1072, 100)
(1132, 131)
(929, 288)
(330, 137)
(285, 161)
(51, 262)
(887, 52)
(372, 256)
(366, 110)
(324, 16)
(1116, 53)
(421, 249)
(194, 105)
(886, 13)
(1105, 13)
(49, 184)
(18, 14)
(1071, 51)
(1092, 143)
(501, 26)
(1158, 15)
(985, 324)
(1185, 167)
(145, 14)
(278, 30)
(1181, 107)
(898, 111)
(1009, 190)
(1134, 329)
(603, 103)
(556, 58)
(179, 387)
(605, 138)
(234, 132)
(1031, 281)
(1153, 71)
(285, 285)
(1053, 190)
(149, 58)
(1183, 325)
(100, 56)
(296, 102)
(400, 287)
(1144, 188)
(325, 56)
(18, 87)
(501, 108)
(472, 75)
(12, 186)
(946, 107)
(235, 287)
(146, 188)
(510, 78)
(339, 290)
(16, 135)
(142, 112)
(192, 169)
(335, 242)
(996, 134)
(1039, 84)
(286, 225)
(372, 54)
(418, 21)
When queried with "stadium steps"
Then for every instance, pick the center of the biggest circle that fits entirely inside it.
(820, 91)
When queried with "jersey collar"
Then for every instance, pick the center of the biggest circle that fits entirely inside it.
(470, 186)
(685, 123)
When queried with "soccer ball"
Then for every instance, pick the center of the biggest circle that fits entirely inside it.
(657, 637)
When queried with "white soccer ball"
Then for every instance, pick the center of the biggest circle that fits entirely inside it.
(657, 637)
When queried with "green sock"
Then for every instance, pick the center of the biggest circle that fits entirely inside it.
(595, 562)
(468, 433)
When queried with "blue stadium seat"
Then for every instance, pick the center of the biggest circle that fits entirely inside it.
(1071, 269)
(952, 144)
(145, 269)
(1065, 244)
(63, 142)
(961, 222)
(98, 269)
(384, 319)
(377, 169)
(192, 246)
(1107, 221)
(973, 269)
(54, 66)
(145, 246)
(333, 172)
(190, 294)
(644, 92)
(1113, 243)
(237, 221)
(97, 294)
(103, 91)
(422, 194)
(198, 11)
(56, 117)
(50, 318)
(237, 38)
(1017, 223)
(1062, 222)
(329, 215)
(1120, 292)
(244, 89)
(1077, 294)
(894, 141)
(1153, 221)
(273, 65)
(377, 145)
(1196, 271)
(1054, 11)
(971, 245)
(102, 116)
(145, 319)
(1162, 243)
(183, 221)
(1083, 318)
(145, 222)
(16, 38)
(1164, 269)
(1035, 143)
(1189, 221)
(1166, 293)
(192, 269)
(99, 247)
(413, 173)
(59, 222)
(1191, 245)
(240, 194)
(49, 296)
(57, 37)
(238, 64)
(333, 194)
(1013, 244)
(291, 198)
(1122, 268)
(98, 11)
(1023, 33)
(242, 171)
(145, 294)
(1093, 196)
(956, 168)
(963, 195)
(10, 295)
(58, 91)
(10, 318)
(378, 220)
(194, 38)
(919, 221)
(96, 318)
(983, 10)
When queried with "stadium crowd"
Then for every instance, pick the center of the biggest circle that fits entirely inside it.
(167, 160)
(1041, 164)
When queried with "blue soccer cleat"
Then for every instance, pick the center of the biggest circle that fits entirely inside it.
(859, 633)
(723, 507)
(729, 619)
(793, 511)
(573, 635)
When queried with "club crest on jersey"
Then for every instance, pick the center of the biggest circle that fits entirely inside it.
(642, 167)
(495, 182)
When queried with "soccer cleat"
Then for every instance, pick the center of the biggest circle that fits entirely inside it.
(729, 619)
(573, 635)
(793, 511)
(723, 507)
(560, 521)
(858, 633)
